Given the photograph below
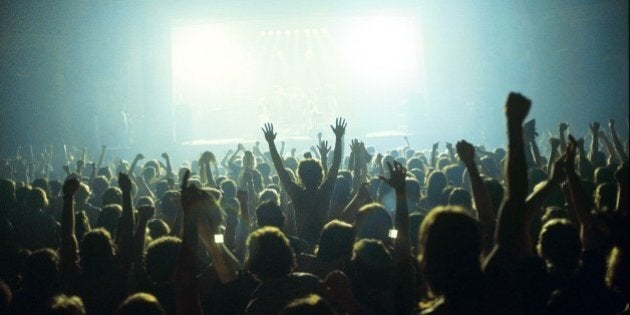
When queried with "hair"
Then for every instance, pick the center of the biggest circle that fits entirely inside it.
(606, 196)
(310, 172)
(108, 218)
(335, 241)
(460, 197)
(83, 193)
(450, 249)
(412, 186)
(66, 305)
(604, 175)
(373, 221)
(496, 191)
(414, 163)
(36, 199)
(343, 189)
(436, 182)
(269, 194)
(140, 303)
(112, 195)
(40, 270)
(311, 304)
(269, 214)
(372, 264)
(145, 201)
(97, 252)
(269, 254)
(559, 244)
(264, 168)
(229, 189)
(168, 203)
(158, 228)
(7, 191)
(161, 258)
(454, 174)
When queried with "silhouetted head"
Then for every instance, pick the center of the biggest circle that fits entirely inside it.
(460, 197)
(161, 258)
(454, 174)
(36, 199)
(41, 183)
(40, 271)
(559, 244)
(264, 169)
(606, 197)
(108, 218)
(450, 249)
(373, 222)
(66, 305)
(414, 163)
(269, 194)
(413, 191)
(269, 254)
(435, 185)
(7, 192)
(229, 189)
(269, 214)
(83, 193)
(112, 195)
(249, 162)
(335, 241)
(311, 304)
(372, 265)
(97, 252)
(311, 173)
(496, 191)
(140, 303)
(604, 175)
(342, 190)
(158, 228)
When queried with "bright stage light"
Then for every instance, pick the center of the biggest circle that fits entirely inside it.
(380, 50)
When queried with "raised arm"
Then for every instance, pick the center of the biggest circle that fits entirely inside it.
(169, 168)
(145, 213)
(323, 149)
(186, 287)
(594, 127)
(132, 168)
(69, 244)
(284, 176)
(554, 143)
(402, 243)
(562, 128)
(511, 232)
(434, 154)
(617, 142)
(581, 204)
(481, 196)
(612, 155)
(339, 130)
(124, 231)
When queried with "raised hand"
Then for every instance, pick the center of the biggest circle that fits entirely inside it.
(435, 146)
(594, 126)
(397, 176)
(165, 156)
(558, 169)
(517, 107)
(611, 124)
(465, 151)
(267, 130)
(340, 127)
(355, 145)
(207, 157)
(319, 136)
(124, 182)
(569, 165)
(241, 147)
(70, 186)
(563, 127)
(139, 156)
(449, 146)
(323, 148)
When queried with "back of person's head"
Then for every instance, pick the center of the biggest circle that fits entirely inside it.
(442, 163)
(606, 196)
(105, 172)
(269, 214)
(460, 197)
(598, 159)
(413, 190)
(414, 163)
(311, 304)
(418, 173)
(40, 270)
(249, 162)
(21, 194)
(158, 228)
(161, 188)
(36, 199)
(269, 194)
(559, 244)
(264, 169)
(435, 184)
(99, 184)
(41, 183)
(140, 303)
(217, 194)
(311, 173)
(66, 305)
(343, 188)
(450, 249)
(229, 189)
(373, 221)
(372, 265)
(108, 217)
(335, 241)
(291, 163)
(111, 195)
(454, 174)
(269, 254)
(145, 201)
(7, 192)
(97, 252)
(83, 193)
(161, 258)
(169, 203)
(554, 212)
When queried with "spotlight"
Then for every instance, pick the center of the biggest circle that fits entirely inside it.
(278, 32)
(287, 32)
(295, 32)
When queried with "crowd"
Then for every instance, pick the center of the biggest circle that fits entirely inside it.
(462, 231)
